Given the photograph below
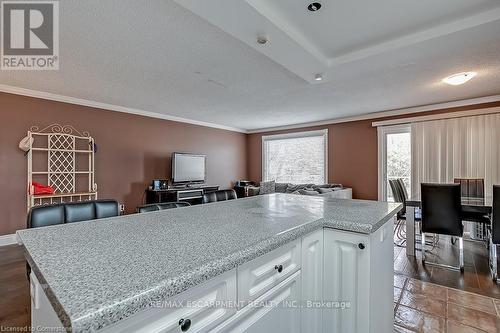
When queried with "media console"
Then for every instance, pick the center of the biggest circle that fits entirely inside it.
(191, 194)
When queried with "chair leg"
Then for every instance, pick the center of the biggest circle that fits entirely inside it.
(422, 242)
(461, 255)
(494, 268)
(461, 248)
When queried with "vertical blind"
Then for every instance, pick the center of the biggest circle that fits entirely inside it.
(295, 158)
(465, 147)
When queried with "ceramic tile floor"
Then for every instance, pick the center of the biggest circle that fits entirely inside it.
(425, 307)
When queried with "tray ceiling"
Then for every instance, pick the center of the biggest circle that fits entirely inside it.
(311, 43)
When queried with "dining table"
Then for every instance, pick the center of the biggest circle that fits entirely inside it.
(469, 205)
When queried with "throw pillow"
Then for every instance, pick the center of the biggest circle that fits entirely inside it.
(267, 187)
(281, 187)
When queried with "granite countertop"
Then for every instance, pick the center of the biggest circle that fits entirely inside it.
(98, 272)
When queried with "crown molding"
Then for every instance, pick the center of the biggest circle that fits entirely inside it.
(383, 114)
(440, 116)
(111, 107)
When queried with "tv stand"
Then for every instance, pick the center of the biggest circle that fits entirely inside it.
(190, 193)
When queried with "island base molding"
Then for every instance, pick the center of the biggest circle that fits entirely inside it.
(327, 281)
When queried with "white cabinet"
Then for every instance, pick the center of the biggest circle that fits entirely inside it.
(261, 274)
(276, 311)
(312, 281)
(328, 281)
(358, 281)
(42, 313)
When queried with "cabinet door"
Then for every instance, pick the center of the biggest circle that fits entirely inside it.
(277, 311)
(312, 281)
(346, 282)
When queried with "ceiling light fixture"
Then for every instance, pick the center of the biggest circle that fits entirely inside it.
(318, 77)
(459, 78)
(314, 6)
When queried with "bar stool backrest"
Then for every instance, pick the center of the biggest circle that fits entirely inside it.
(441, 209)
(471, 187)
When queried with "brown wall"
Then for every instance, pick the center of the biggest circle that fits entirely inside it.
(132, 150)
(352, 152)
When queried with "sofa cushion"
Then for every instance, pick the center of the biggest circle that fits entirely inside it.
(333, 186)
(321, 186)
(308, 192)
(267, 187)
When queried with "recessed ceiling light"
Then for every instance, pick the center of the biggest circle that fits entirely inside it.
(314, 6)
(459, 78)
(318, 77)
(262, 40)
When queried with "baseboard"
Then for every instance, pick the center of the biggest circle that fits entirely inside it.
(8, 239)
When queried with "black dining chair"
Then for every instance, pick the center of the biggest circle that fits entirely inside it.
(472, 188)
(221, 195)
(400, 194)
(402, 186)
(161, 206)
(45, 215)
(494, 233)
(441, 214)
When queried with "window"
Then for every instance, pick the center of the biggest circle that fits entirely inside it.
(295, 158)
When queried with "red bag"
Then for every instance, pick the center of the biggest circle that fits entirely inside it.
(41, 189)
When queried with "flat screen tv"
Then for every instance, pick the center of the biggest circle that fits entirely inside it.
(188, 168)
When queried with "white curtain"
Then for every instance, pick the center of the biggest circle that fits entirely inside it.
(465, 147)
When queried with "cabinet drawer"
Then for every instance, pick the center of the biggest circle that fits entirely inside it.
(200, 309)
(261, 274)
(277, 310)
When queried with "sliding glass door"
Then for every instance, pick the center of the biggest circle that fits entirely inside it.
(394, 158)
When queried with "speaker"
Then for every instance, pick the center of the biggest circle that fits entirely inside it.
(160, 184)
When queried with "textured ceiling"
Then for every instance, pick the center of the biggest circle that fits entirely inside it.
(159, 57)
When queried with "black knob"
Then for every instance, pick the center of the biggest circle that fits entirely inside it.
(185, 324)
(279, 268)
(361, 246)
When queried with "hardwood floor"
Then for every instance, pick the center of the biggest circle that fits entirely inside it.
(14, 289)
(413, 312)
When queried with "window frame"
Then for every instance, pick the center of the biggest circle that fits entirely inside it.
(382, 132)
(295, 135)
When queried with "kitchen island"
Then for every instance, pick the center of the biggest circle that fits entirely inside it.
(211, 267)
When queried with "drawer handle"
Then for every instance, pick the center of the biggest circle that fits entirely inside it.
(279, 268)
(361, 246)
(185, 324)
